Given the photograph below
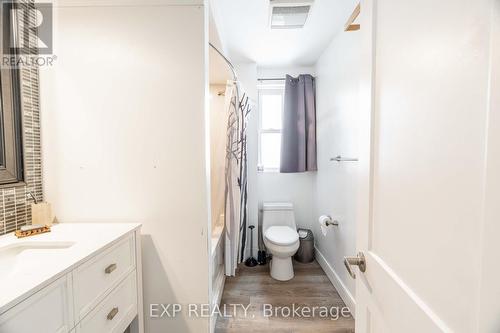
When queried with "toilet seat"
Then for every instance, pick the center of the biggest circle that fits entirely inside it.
(281, 235)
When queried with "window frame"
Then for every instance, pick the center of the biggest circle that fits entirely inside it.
(11, 161)
(268, 90)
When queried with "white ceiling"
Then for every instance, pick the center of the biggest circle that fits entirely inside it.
(244, 31)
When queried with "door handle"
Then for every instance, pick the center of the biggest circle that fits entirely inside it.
(359, 261)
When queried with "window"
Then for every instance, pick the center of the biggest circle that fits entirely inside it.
(11, 158)
(271, 112)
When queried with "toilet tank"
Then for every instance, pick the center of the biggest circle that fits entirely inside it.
(277, 214)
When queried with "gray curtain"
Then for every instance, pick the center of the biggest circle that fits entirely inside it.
(298, 139)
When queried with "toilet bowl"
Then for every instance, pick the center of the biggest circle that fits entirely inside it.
(280, 237)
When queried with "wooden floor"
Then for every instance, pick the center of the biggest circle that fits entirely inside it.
(254, 286)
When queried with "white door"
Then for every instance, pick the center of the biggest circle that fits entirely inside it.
(425, 107)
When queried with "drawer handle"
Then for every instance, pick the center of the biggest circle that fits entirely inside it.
(110, 269)
(112, 313)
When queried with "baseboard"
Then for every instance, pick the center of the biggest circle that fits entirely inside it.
(337, 283)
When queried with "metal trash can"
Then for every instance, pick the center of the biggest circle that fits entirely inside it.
(305, 253)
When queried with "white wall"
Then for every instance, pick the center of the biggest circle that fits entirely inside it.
(272, 186)
(124, 138)
(337, 79)
(218, 125)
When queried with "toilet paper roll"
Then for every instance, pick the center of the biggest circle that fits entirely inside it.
(323, 222)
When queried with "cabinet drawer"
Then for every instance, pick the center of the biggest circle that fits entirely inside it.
(49, 311)
(96, 277)
(115, 312)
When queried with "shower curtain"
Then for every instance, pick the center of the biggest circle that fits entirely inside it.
(238, 106)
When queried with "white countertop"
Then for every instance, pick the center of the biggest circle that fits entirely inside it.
(30, 270)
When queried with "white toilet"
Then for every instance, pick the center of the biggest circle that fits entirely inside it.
(280, 237)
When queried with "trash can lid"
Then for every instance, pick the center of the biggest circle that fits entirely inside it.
(303, 233)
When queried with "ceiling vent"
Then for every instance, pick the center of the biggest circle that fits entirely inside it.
(289, 14)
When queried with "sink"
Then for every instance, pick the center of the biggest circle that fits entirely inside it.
(27, 253)
(18, 248)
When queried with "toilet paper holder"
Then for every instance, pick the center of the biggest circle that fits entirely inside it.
(332, 222)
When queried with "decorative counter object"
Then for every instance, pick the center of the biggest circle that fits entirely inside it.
(31, 230)
(41, 214)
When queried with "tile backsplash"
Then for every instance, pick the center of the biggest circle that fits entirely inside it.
(15, 204)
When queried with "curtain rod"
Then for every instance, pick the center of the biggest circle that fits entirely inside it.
(235, 77)
(270, 79)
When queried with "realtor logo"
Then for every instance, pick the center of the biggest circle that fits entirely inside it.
(27, 28)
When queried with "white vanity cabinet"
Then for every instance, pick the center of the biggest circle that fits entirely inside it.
(49, 310)
(99, 294)
(101, 273)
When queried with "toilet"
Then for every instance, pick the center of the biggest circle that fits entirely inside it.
(280, 237)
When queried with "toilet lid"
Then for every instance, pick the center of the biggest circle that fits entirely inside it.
(281, 235)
